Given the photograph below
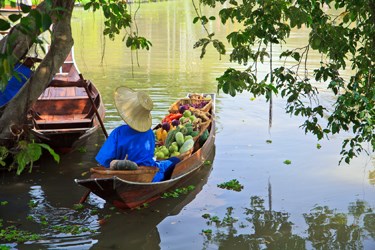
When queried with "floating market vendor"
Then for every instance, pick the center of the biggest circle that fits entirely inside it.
(134, 142)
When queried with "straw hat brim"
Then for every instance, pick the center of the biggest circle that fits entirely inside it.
(134, 108)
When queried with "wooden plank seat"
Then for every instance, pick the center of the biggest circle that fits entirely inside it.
(63, 130)
(63, 121)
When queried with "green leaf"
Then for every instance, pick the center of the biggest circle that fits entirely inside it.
(46, 22)
(14, 17)
(4, 25)
(87, 6)
(55, 156)
(25, 8)
(27, 155)
(296, 56)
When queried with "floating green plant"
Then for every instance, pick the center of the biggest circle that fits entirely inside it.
(287, 162)
(72, 229)
(78, 206)
(177, 192)
(13, 234)
(231, 185)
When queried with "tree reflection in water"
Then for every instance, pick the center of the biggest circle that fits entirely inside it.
(326, 228)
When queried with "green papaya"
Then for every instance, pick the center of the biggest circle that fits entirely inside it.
(179, 138)
(187, 146)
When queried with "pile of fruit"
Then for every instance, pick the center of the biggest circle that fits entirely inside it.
(176, 137)
(179, 131)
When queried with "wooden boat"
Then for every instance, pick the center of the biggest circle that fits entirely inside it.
(68, 111)
(126, 193)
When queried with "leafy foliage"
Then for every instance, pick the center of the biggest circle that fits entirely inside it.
(118, 17)
(342, 31)
(25, 154)
(34, 20)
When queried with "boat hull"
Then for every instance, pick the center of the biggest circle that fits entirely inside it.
(126, 194)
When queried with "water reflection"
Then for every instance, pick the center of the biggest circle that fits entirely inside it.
(61, 227)
(97, 225)
(264, 228)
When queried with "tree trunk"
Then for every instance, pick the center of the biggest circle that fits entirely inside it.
(14, 114)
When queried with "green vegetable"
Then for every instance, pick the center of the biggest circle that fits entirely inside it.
(175, 154)
(192, 118)
(189, 130)
(184, 130)
(173, 148)
(187, 113)
(170, 137)
(159, 155)
(124, 165)
(187, 146)
(194, 133)
(164, 150)
(203, 137)
(188, 137)
(179, 138)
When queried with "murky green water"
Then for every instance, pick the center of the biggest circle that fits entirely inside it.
(310, 204)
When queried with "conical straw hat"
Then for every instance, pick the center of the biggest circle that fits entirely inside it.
(134, 108)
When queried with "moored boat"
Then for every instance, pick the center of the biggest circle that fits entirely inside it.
(68, 111)
(125, 192)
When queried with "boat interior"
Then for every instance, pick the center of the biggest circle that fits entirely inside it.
(69, 106)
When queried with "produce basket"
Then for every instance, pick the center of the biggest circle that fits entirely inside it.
(203, 127)
(194, 100)
(142, 174)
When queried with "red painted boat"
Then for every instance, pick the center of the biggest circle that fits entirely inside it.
(125, 193)
(64, 115)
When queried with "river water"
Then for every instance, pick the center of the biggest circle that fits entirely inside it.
(312, 203)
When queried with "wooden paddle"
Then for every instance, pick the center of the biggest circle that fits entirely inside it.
(85, 85)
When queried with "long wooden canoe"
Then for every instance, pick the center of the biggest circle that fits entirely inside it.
(124, 193)
(63, 116)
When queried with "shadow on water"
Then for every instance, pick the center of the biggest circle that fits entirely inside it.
(45, 202)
